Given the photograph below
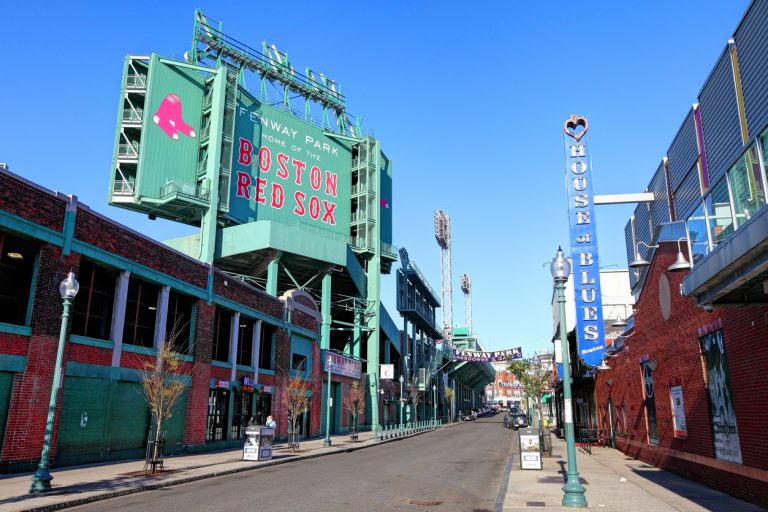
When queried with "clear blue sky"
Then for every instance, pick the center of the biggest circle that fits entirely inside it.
(467, 98)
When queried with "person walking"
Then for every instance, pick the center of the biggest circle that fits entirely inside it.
(271, 422)
(506, 420)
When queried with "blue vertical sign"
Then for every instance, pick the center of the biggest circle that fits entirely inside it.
(584, 258)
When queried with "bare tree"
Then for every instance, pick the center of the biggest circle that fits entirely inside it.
(416, 396)
(162, 385)
(295, 394)
(449, 394)
(355, 401)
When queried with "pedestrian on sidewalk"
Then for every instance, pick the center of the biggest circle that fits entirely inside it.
(271, 422)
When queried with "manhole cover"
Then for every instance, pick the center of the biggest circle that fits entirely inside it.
(425, 503)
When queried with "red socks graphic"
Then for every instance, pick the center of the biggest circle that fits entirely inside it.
(168, 118)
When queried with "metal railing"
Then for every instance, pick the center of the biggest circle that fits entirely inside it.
(128, 150)
(132, 116)
(123, 187)
(134, 81)
(183, 188)
(405, 429)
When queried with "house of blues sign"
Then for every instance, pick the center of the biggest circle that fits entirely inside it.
(586, 266)
(487, 357)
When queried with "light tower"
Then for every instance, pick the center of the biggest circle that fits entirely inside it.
(443, 237)
(466, 287)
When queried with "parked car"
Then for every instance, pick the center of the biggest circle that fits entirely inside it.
(520, 420)
(468, 415)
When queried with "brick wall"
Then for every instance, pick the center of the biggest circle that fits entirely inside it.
(31, 389)
(674, 345)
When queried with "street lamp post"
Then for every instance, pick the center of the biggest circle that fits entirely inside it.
(41, 480)
(401, 400)
(327, 441)
(573, 490)
(434, 402)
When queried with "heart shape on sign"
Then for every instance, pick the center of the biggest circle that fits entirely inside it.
(575, 127)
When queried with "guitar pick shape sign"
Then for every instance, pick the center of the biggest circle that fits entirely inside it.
(581, 218)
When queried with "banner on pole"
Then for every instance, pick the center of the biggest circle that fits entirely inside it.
(487, 357)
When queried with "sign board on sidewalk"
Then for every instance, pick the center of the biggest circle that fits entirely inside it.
(530, 449)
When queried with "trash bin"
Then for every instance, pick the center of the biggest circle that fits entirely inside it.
(258, 443)
(530, 448)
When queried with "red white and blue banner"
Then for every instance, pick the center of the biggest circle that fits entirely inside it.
(586, 264)
(487, 357)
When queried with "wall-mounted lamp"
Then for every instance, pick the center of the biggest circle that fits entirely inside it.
(603, 365)
(681, 263)
(651, 365)
(621, 320)
(639, 261)
(609, 382)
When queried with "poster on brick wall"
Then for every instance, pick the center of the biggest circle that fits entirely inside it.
(678, 419)
(721, 398)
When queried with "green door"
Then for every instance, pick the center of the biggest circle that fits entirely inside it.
(6, 384)
(82, 421)
(128, 420)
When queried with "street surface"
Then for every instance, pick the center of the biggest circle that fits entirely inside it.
(459, 468)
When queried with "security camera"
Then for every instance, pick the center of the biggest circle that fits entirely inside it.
(708, 308)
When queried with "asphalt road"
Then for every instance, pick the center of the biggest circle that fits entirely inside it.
(461, 468)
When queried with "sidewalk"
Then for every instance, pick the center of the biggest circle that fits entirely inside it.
(77, 485)
(613, 482)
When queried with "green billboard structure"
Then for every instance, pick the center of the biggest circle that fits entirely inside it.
(288, 193)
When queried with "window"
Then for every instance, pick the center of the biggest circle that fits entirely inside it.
(720, 214)
(299, 362)
(178, 327)
(245, 342)
(266, 350)
(17, 263)
(218, 404)
(140, 313)
(92, 315)
(221, 335)
(697, 229)
(747, 186)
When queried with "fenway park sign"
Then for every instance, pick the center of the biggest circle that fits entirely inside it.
(487, 357)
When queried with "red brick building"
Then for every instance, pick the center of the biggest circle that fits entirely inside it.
(239, 344)
(655, 402)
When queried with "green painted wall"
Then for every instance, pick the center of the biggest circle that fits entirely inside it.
(264, 133)
(162, 158)
(6, 383)
(385, 204)
(106, 420)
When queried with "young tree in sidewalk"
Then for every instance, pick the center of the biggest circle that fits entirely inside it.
(416, 397)
(449, 394)
(534, 379)
(354, 402)
(295, 395)
(162, 385)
